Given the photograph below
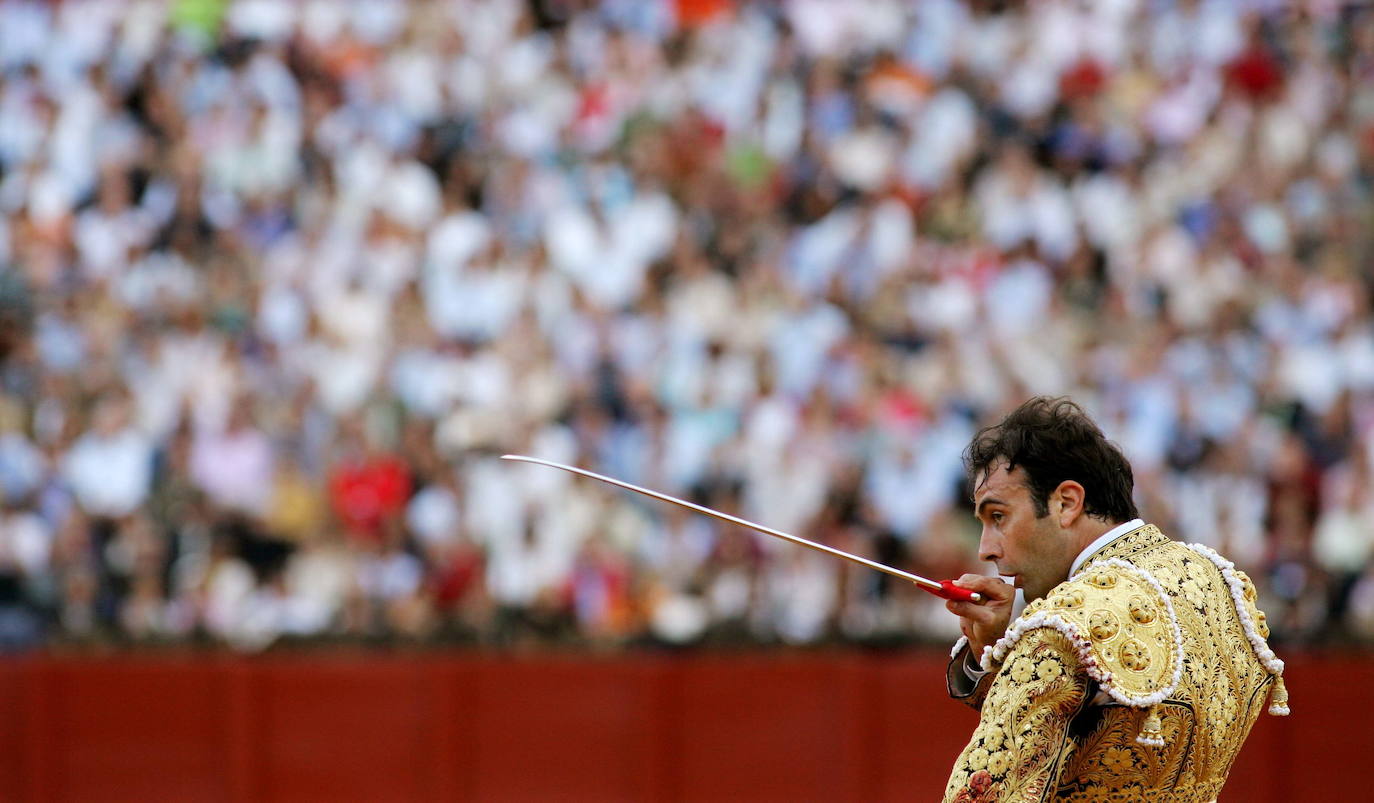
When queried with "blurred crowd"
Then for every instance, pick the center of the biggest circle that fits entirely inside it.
(283, 278)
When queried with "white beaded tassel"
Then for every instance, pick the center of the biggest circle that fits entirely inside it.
(1152, 732)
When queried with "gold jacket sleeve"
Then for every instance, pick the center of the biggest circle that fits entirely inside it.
(1022, 740)
(963, 688)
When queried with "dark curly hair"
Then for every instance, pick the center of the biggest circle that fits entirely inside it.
(1053, 440)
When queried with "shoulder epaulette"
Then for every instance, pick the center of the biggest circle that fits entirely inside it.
(1122, 626)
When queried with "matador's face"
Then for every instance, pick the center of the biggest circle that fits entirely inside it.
(1032, 550)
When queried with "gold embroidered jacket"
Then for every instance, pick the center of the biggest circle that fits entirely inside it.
(1137, 679)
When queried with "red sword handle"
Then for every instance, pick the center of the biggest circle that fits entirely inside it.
(948, 590)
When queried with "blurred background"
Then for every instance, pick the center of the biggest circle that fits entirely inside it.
(281, 278)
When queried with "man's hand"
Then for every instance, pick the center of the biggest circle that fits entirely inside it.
(983, 622)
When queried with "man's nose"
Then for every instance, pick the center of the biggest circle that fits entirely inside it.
(989, 545)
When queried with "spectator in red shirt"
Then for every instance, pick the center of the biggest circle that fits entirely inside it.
(367, 486)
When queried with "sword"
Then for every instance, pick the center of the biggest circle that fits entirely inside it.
(944, 588)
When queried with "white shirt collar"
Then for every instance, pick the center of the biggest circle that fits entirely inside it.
(1102, 540)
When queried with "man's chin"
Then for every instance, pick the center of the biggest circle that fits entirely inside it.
(1031, 591)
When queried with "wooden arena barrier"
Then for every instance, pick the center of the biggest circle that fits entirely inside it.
(352, 725)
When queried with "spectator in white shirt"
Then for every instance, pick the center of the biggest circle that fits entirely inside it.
(109, 468)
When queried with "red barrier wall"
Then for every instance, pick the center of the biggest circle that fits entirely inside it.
(756, 727)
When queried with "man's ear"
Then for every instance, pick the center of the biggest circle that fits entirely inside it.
(1071, 499)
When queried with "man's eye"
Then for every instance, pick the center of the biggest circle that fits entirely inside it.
(997, 517)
